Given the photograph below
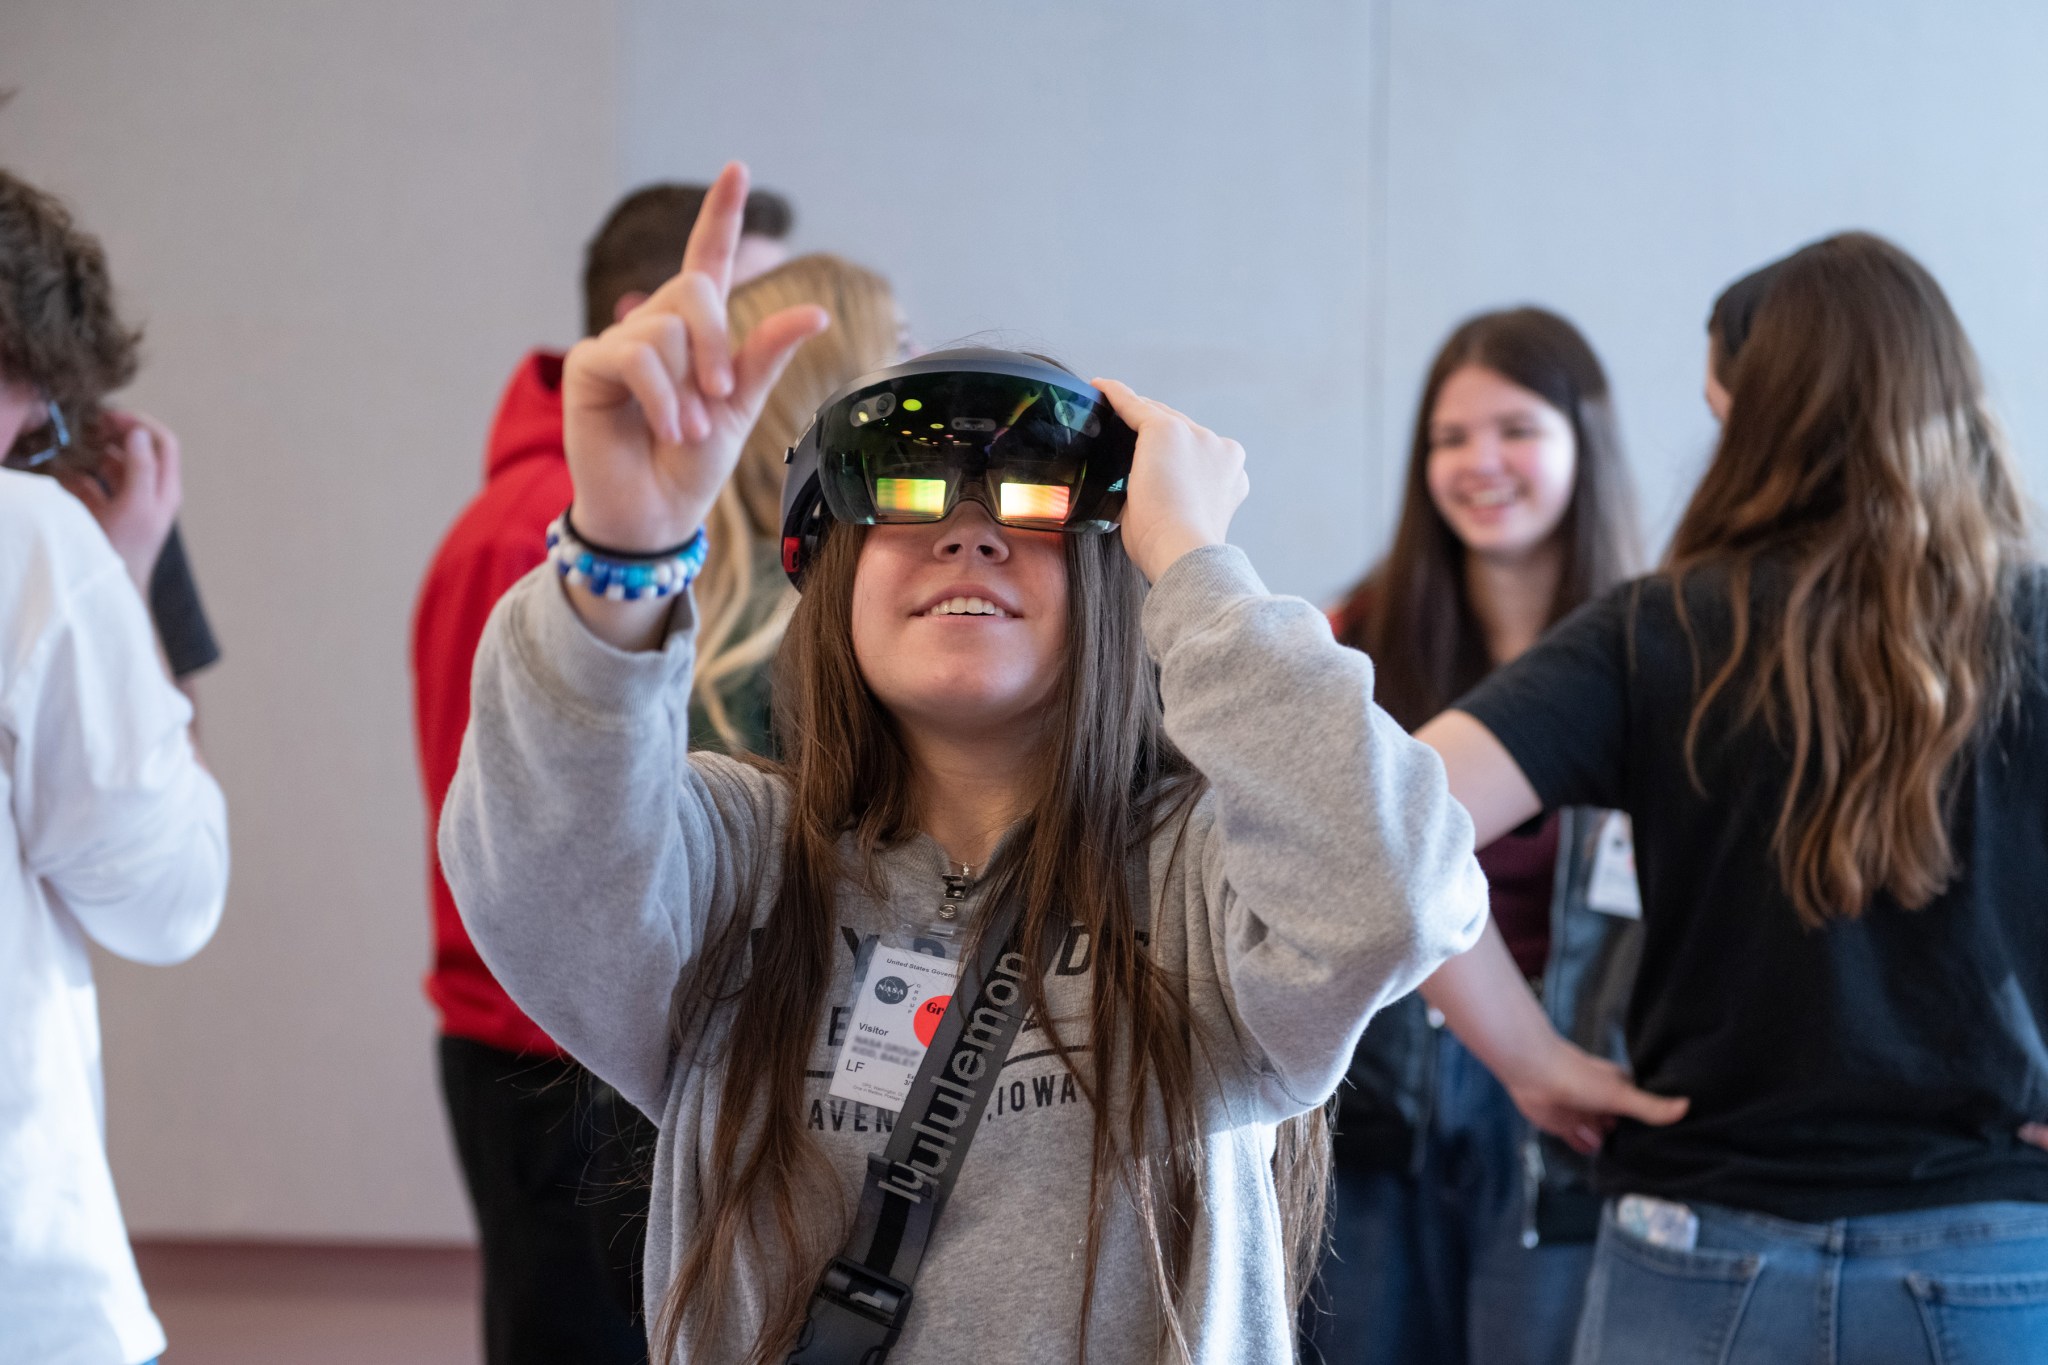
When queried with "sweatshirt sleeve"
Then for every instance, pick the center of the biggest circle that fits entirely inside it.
(590, 857)
(117, 819)
(1334, 870)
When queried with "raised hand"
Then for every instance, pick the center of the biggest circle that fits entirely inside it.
(1186, 482)
(657, 407)
(135, 493)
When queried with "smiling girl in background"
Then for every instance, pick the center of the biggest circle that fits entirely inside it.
(1448, 1245)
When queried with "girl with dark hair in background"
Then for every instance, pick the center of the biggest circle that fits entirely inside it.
(1447, 1244)
(1825, 716)
(1237, 856)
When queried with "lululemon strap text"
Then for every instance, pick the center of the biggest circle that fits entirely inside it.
(858, 1309)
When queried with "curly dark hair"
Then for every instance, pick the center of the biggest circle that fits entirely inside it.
(58, 327)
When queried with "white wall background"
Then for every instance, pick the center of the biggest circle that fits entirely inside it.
(1623, 162)
(344, 222)
(1168, 193)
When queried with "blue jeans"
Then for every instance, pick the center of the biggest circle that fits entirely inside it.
(1963, 1285)
(1429, 1269)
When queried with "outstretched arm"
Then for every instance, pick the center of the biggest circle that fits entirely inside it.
(1560, 1088)
(1482, 774)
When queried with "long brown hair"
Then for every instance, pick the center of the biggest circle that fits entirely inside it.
(1859, 458)
(1109, 783)
(1412, 612)
(737, 631)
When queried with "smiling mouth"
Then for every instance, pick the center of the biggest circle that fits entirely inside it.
(1490, 498)
(965, 606)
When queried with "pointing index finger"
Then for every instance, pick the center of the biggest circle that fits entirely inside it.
(716, 235)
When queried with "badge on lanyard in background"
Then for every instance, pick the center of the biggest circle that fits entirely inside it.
(1613, 889)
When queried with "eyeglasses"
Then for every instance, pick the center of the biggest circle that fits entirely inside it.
(39, 445)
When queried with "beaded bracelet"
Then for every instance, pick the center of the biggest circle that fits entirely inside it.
(622, 575)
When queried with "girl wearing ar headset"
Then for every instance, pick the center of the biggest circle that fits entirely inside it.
(995, 1021)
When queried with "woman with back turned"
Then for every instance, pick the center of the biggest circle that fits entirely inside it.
(1826, 717)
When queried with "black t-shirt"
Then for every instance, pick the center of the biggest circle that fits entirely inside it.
(1879, 1064)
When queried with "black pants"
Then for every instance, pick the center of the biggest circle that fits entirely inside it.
(557, 1167)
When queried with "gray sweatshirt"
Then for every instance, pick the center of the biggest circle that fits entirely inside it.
(1324, 874)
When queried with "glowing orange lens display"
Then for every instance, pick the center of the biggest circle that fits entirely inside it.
(1036, 501)
(921, 497)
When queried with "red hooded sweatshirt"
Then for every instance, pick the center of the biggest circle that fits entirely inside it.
(499, 537)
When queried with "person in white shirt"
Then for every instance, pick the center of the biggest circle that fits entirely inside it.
(113, 829)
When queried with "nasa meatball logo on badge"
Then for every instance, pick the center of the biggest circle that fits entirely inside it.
(892, 1025)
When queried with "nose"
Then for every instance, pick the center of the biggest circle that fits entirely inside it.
(970, 534)
(1483, 452)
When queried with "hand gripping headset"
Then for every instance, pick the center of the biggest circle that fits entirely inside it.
(1034, 445)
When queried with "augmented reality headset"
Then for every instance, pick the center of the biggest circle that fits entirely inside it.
(1035, 446)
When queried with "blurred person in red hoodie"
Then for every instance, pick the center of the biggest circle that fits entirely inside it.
(554, 1160)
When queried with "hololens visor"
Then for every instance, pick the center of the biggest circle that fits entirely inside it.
(1035, 446)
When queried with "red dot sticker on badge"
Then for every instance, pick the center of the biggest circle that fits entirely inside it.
(926, 1021)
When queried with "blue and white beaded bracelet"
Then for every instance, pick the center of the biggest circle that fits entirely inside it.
(622, 575)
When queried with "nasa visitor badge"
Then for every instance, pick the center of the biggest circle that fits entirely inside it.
(897, 1005)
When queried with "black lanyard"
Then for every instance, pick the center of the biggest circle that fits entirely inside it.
(858, 1308)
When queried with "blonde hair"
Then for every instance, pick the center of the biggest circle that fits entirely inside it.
(863, 336)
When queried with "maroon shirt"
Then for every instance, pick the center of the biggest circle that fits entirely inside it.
(1520, 879)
